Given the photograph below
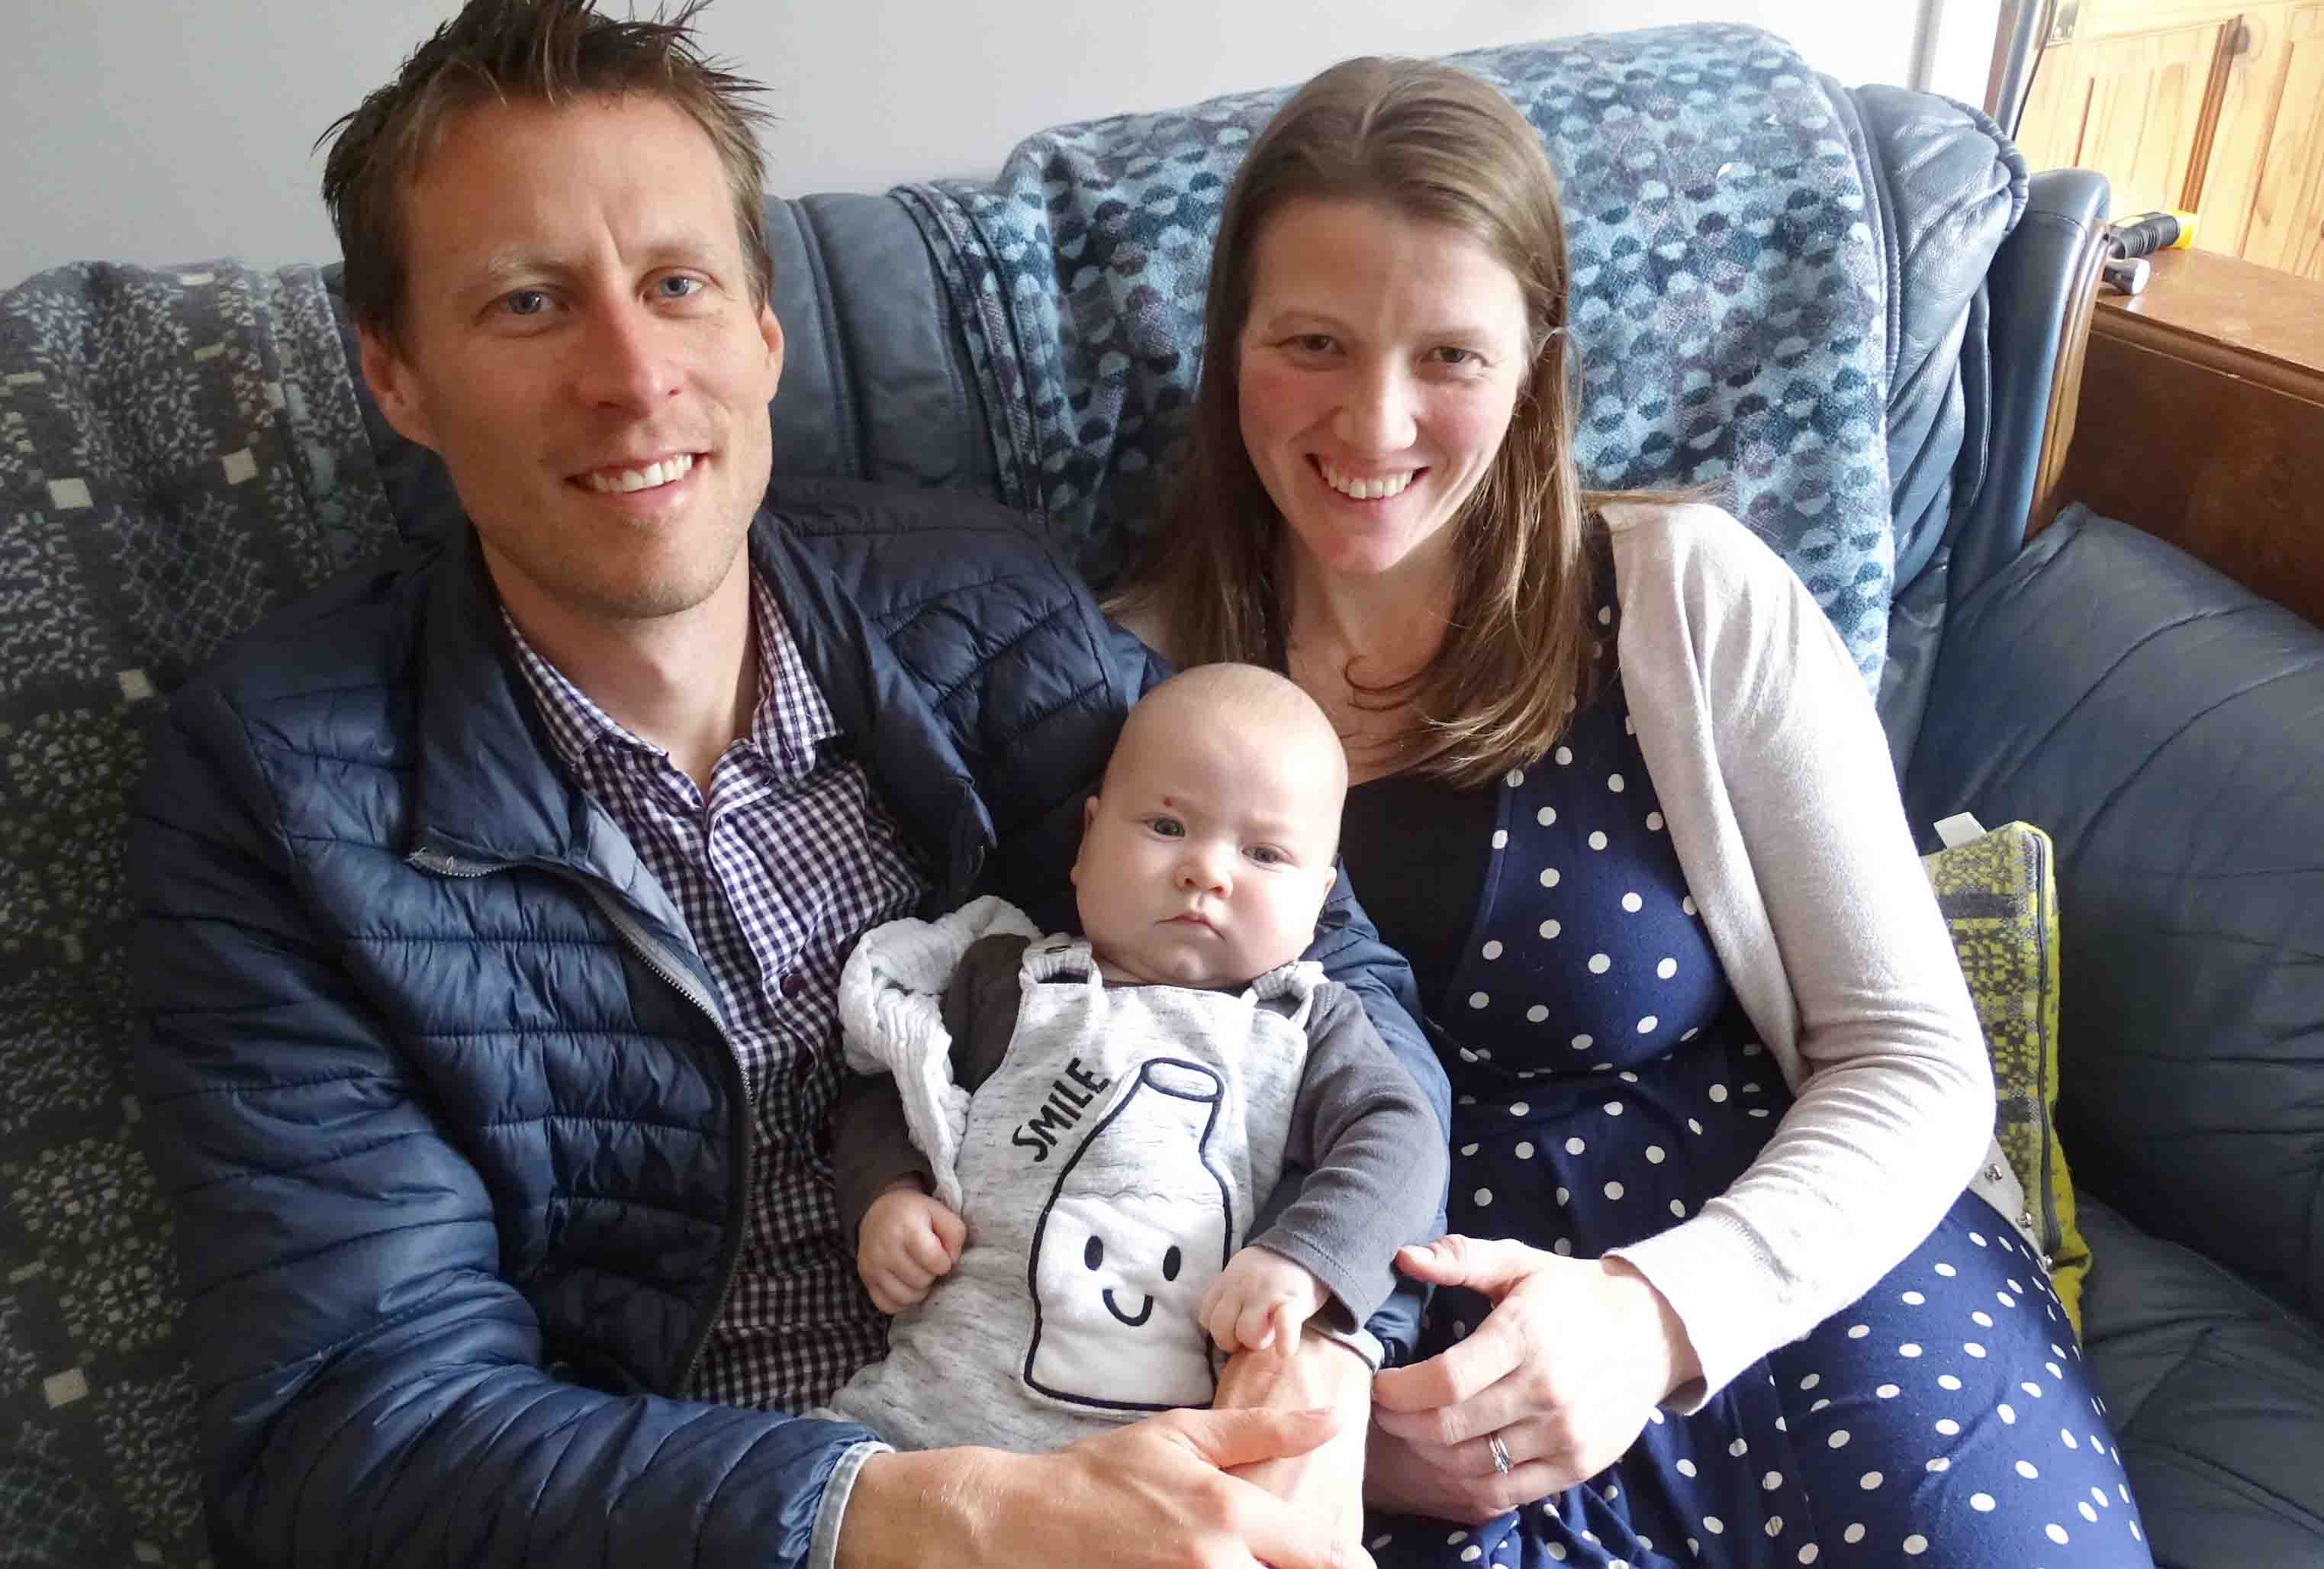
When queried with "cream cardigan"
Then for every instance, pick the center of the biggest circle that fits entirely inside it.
(1775, 782)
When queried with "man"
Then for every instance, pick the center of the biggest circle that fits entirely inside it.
(493, 903)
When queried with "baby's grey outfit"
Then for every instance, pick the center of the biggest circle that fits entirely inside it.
(1110, 1162)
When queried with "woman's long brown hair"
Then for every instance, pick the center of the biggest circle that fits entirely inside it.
(1440, 146)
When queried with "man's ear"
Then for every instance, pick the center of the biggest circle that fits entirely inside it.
(395, 387)
(771, 331)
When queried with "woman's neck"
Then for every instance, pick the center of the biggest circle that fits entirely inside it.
(1350, 636)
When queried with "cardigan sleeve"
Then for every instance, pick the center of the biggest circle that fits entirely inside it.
(1775, 780)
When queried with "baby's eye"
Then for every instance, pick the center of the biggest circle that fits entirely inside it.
(1267, 856)
(1168, 828)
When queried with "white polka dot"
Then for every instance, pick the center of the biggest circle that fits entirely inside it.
(1948, 1426)
(1775, 1526)
(1557, 1550)
(1471, 1553)
(1686, 1468)
(2134, 1526)
(1654, 822)
(1501, 838)
(1575, 1146)
(1870, 1479)
(1597, 839)
(1718, 1092)
(1908, 1350)
(2032, 1388)
(2025, 1468)
(1687, 904)
(1599, 964)
(1564, 754)
(2099, 1495)
(1982, 1502)
(1655, 1155)
(2004, 1298)
(1691, 1033)
(1478, 999)
(1809, 1554)
(1536, 1014)
(2087, 1513)
(2004, 1413)
(1581, 1043)
(1549, 928)
(1514, 778)
(1484, 1197)
(1613, 1190)
(1468, 1149)
(1549, 877)
(1811, 1381)
(1858, 1330)
(1518, 1108)
(1493, 950)
(2068, 1439)
(2055, 1532)
(1649, 1024)
(1738, 1449)
(1973, 1349)
(1614, 783)
(1818, 1405)
(2055, 1371)
(1854, 1534)
(1667, 968)
(1564, 1247)
(1772, 1481)
(1545, 817)
(1381, 1541)
(1913, 1299)
(1839, 1440)
(1524, 1151)
(1982, 1319)
(1887, 1391)
(1713, 1524)
(1947, 1271)
(1633, 903)
(1606, 618)
(1678, 1208)
(1939, 1464)
(1563, 1194)
(1915, 1545)
(1947, 1382)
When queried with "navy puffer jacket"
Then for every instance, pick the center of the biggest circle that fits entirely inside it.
(457, 1148)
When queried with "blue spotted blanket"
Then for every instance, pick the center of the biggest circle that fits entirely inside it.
(1727, 296)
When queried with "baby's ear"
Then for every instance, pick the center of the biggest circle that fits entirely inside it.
(1089, 812)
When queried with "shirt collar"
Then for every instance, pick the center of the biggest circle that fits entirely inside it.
(790, 721)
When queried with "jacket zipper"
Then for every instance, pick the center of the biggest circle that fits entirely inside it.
(742, 1120)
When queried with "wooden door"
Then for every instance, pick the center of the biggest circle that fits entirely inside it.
(2286, 226)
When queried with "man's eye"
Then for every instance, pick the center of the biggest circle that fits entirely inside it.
(1168, 828)
(678, 287)
(527, 302)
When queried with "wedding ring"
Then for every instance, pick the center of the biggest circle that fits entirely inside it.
(1500, 1454)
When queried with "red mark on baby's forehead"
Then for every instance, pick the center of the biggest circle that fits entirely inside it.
(1169, 802)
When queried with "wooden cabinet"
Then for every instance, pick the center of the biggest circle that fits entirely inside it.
(2215, 107)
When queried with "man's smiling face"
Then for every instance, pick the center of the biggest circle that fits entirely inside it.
(580, 346)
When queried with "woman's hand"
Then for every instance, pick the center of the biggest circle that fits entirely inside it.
(1564, 1371)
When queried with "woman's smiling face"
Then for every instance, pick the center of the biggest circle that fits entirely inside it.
(1376, 372)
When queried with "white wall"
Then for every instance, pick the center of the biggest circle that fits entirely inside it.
(160, 131)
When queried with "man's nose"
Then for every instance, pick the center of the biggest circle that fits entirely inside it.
(624, 358)
(1376, 417)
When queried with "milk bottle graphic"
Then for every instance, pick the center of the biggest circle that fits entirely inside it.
(1138, 1224)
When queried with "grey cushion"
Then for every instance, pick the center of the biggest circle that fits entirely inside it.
(2216, 1396)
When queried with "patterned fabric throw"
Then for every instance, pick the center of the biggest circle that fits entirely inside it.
(1730, 296)
(181, 451)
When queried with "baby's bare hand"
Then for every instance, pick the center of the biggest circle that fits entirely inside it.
(1258, 1297)
(908, 1242)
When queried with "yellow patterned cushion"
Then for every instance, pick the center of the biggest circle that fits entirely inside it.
(2001, 906)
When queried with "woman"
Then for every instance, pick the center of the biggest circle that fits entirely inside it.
(1721, 1296)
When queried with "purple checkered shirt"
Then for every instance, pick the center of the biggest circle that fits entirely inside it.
(791, 860)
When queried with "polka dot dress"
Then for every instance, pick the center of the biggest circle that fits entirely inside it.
(1605, 1086)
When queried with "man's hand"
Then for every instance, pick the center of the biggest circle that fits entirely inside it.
(1564, 1371)
(1153, 1495)
(1326, 1483)
(1257, 1298)
(908, 1242)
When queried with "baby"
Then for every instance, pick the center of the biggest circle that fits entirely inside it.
(1060, 1249)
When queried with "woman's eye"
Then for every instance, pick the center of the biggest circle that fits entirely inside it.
(1448, 354)
(1313, 343)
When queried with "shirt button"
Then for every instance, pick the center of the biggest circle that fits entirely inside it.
(794, 984)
